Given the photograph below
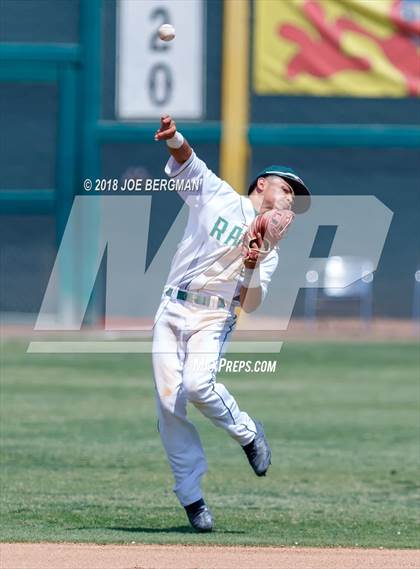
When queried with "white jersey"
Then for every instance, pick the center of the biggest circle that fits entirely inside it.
(209, 257)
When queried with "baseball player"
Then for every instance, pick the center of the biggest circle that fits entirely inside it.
(218, 266)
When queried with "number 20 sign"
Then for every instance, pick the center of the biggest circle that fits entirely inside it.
(154, 76)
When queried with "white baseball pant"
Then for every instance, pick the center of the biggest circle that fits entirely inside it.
(188, 340)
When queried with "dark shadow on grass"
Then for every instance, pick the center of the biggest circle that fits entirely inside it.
(174, 529)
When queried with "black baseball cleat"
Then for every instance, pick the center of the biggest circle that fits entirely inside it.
(200, 516)
(259, 452)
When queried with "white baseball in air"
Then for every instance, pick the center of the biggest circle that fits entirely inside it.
(166, 32)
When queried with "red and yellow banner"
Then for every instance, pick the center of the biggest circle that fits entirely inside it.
(363, 48)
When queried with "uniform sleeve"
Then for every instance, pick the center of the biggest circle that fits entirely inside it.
(192, 168)
(197, 183)
(267, 268)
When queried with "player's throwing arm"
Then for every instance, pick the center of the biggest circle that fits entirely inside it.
(178, 146)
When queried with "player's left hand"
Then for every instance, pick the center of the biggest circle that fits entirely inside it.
(251, 262)
(263, 234)
(167, 128)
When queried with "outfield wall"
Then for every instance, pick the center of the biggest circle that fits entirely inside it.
(30, 113)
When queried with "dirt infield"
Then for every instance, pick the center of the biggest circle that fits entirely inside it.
(85, 556)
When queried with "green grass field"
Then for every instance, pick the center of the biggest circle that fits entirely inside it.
(82, 460)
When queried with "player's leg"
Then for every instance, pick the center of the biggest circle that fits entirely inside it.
(214, 400)
(209, 396)
(179, 436)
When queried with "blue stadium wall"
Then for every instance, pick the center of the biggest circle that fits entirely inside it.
(28, 156)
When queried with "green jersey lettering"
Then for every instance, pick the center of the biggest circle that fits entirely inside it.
(234, 235)
(219, 227)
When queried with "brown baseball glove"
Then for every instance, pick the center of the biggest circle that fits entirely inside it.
(264, 233)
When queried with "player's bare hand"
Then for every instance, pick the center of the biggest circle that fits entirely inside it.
(167, 128)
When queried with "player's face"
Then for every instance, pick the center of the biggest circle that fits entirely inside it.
(277, 194)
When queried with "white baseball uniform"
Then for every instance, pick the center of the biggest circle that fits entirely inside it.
(190, 336)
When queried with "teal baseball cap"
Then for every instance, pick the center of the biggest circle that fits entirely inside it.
(297, 185)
